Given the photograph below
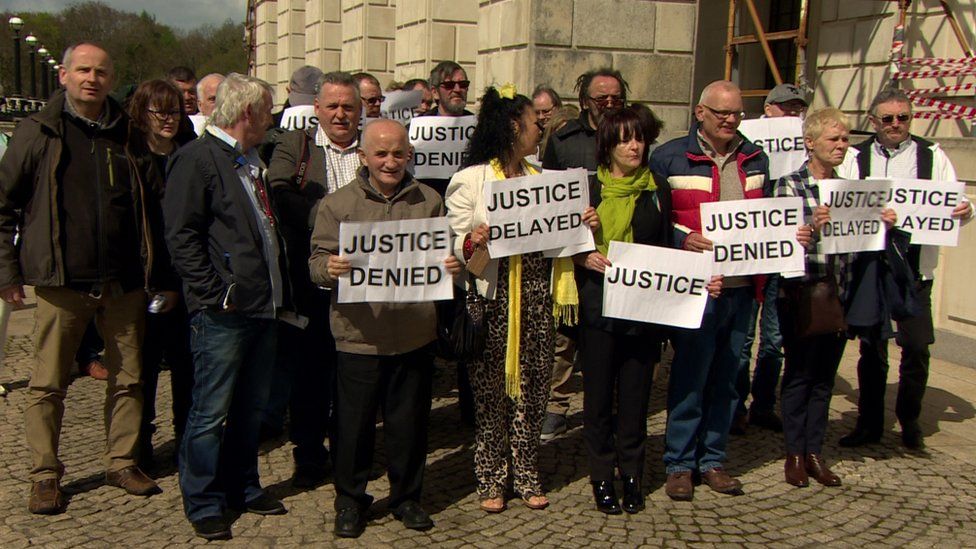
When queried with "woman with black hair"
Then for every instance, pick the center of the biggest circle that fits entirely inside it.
(524, 293)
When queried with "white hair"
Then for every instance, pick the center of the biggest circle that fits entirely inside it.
(202, 81)
(234, 95)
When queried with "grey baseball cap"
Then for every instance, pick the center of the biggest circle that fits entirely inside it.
(784, 93)
(301, 88)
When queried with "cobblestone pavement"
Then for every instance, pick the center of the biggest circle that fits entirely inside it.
(889, 498)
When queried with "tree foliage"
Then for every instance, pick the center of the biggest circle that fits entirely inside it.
(141, 47)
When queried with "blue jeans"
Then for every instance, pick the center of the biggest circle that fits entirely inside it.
(769, 360)
(233, 357)
(701, 392)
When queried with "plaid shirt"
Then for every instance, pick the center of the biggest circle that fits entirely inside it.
(341, 165)
(800, 183)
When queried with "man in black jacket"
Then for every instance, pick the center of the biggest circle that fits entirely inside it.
(224, 240)
(86, 212)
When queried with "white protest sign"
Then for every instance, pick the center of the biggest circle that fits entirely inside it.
(199, 122)
(782, 140)
(537, 212)
(395, 261)
(855, 215)
(659, 285)
(439, 143)
(299, 117)
(925, 207)
(754, 236)
(399, 105)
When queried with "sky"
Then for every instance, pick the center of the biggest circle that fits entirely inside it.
(181, 14)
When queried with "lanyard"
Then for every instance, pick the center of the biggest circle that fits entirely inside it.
(257, 186)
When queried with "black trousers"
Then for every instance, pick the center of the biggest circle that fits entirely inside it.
(808, 382)
(167, 338)
(617, 369)
(914, 337)
(399, 385)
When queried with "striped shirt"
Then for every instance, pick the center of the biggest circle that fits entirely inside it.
(341, 164)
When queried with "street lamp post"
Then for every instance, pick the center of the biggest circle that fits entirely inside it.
(16, 23)
(42, 51)
(31, 42)
(51, 64)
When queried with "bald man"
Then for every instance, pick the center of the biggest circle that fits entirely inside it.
(713, 163)
(384, 350)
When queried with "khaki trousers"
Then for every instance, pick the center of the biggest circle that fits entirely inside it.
(61, 318)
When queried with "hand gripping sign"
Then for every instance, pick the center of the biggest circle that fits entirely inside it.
(782, 140)
(754, 236)
(658, 285)
(855, 215)
(395, 261)
(537, 213)
(439, 143)
(925, 207)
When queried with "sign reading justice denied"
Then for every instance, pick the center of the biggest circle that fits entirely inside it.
(537, 212)
(439, 143)
(754, 236)
(395, 261)
(658, 285)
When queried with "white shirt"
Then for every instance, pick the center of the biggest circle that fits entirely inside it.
(341, 164)
(900, 163)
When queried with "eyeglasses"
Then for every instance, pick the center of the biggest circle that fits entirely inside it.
(607, 100)
(448, 85)
(544, 112)
(723, 115)
(374, 100)
(162, 115)
(889, 118)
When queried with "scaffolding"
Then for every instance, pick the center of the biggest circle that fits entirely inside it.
(763, 38)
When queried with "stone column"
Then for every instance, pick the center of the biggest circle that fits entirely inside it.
(291, 43)
(323, 34)
(531, 42)
(367, 37)
(431, 31)
(265, 41)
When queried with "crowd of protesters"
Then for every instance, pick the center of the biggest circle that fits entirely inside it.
(186, 226)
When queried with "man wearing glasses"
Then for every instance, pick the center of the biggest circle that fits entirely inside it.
(370, 92)
(574, 146)
(894, 152)
(713, 163)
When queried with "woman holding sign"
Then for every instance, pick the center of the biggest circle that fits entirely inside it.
(810, 308)
(523, 293)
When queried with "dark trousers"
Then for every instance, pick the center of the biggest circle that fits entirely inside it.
(399, 385)
(914, 337)
(618, 370)
(769, 359)
(808, 382)
(167, 338)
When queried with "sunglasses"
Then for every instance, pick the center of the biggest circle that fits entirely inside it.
(375, 100)
(456, 84)
(608, 100)
(889, 118)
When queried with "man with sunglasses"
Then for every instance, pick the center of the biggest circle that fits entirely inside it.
(894, 152)
(370, 92)
(713, 163)
(574, 146)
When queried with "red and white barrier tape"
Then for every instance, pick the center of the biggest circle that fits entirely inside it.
(932, 74)
(933, 115)
(942, 89)
(945, 106)
(936, 61)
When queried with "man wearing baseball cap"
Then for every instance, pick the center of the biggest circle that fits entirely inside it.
(299, 113)
(785, 100)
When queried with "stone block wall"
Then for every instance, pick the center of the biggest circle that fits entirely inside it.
(291, 43)
(431, 31)
(266, 41)
(323, 34)
(367, 37)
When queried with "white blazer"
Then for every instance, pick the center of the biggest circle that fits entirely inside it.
(466, 209)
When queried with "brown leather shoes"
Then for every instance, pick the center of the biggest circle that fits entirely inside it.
(46, 497)
(132, 480)
(720, 481)
(819, 471)
(796, 471)
(679, 487)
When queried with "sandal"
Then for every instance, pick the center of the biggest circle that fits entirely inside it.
(493, 505)
(536, 502)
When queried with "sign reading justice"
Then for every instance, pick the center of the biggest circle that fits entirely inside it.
(537, 212)
(439, 143)
(754, 236)
(925, 207)
(855, 215)
(395, 261)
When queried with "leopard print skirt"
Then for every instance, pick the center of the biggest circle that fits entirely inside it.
(504, 423)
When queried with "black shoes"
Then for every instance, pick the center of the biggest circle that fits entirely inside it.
(349, 523)
(413, 516)
(766, 419)
(212, 528)
(911, 437)
(605, 497)
(265, 505)
(309, 476)
(860, 437)
(633, 496)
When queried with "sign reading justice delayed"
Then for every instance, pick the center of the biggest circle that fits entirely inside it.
(395, 261)
(855, 215)
(754, 236)
(536, 213)
(925, 208)
(658, 285)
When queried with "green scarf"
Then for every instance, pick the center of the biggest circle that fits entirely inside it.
(618, 196)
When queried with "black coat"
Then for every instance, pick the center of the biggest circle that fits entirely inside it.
(572, 146)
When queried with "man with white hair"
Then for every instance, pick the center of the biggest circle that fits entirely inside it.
(713, 163)
(206, 99)
(223, 236)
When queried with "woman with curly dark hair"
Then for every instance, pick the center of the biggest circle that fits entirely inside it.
(523, 292)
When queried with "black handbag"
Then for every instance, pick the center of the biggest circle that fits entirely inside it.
(815, 306)
(464, 333)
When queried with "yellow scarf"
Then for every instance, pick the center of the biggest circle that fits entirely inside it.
(565, 301)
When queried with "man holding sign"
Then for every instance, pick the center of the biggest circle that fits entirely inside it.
(894, 153)
(384, 357)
